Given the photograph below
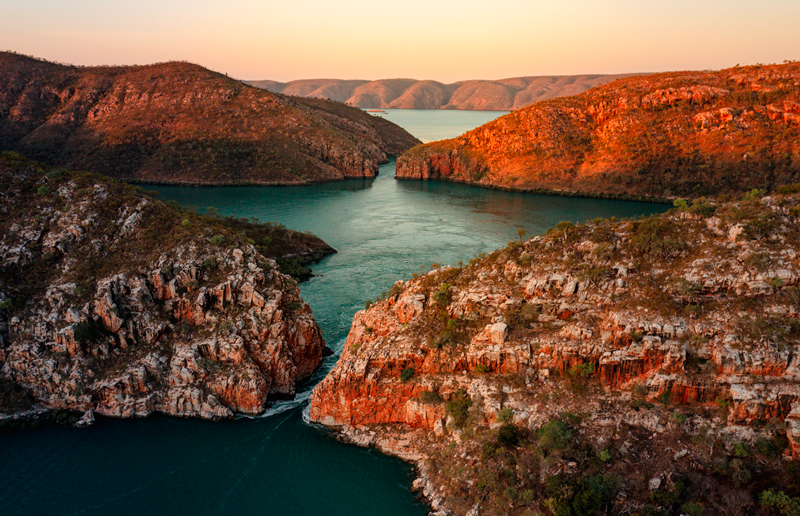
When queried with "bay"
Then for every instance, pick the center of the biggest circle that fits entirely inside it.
(438, 124)
(384, 230)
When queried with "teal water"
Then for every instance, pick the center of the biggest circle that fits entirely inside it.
(277, 465)
(438, 124)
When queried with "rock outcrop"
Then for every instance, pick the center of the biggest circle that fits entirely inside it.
(112, 302)
(181, 123)
(662, 135)
(499, 95)
(666, 346)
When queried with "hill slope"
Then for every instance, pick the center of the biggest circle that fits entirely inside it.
(682, 133)
(501, 95)
(114, 302)
(178, 122)
(620, 367)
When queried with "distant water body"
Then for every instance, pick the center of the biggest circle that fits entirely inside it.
(277, 465)
(438, 124)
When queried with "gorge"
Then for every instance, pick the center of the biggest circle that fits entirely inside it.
(553, 293)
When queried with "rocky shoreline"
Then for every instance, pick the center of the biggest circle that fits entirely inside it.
(666, 135)
(637, 363)
(114, 303)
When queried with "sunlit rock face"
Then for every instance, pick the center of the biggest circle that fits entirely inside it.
(661, 135)
(670, 334)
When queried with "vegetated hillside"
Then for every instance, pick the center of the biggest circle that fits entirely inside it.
(501, 95)
(116, 303)
(181, 123)
(648, 366)
(670, 134)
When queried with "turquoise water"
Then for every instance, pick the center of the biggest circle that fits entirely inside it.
(438, 124)
(277, 465)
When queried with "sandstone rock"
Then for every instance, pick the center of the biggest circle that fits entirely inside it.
(498, 332)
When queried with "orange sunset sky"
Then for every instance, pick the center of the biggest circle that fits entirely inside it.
(423, 39)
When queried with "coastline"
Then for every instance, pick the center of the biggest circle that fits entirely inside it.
(555, 193)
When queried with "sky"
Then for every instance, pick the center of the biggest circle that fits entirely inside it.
(443, 40)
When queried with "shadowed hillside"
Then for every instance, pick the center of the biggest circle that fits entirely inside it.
(178, 122)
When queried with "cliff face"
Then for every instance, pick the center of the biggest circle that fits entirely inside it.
(672, 134)
(622, 364)
(178, 122)
(113, 302)
(500, 95)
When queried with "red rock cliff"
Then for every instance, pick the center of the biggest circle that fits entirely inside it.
(670, 134)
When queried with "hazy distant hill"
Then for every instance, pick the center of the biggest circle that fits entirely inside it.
(179, 122)
(505, 94)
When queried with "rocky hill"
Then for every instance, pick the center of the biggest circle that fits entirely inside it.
(500, 95)
(647, 366)
(115, 303)
(180, 123)
(663, 135)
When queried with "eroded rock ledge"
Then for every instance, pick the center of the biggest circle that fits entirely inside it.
(113, 302)
(627, 362)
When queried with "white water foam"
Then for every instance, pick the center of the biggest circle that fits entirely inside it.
(302, 398)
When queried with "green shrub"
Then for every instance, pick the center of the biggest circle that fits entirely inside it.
(218, 240)
(553, 436)
(442, 295)
(458, 409)
(480, 369)
(509, 435)
(526, 313)
(779, 502)
(87, 331)
(186, 223)
(684, 287)
(677, 417)
(693, 508)
(652, 238)
(407, 374)
(754, 195)
(441, 339)
(702, 207)
(43, 190)
(209, 263)
(505, 415)
(430, 398)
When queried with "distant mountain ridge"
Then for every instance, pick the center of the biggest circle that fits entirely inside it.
(502, 95)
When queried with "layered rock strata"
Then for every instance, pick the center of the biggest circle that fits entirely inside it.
(683, 329)
(110, 304)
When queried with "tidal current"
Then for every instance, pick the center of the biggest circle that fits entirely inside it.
(384, 230)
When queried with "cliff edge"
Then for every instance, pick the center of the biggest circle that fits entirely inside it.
(662, 135)
(611, 367)
(112, 302)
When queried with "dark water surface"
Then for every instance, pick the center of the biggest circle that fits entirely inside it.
(384, 230)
